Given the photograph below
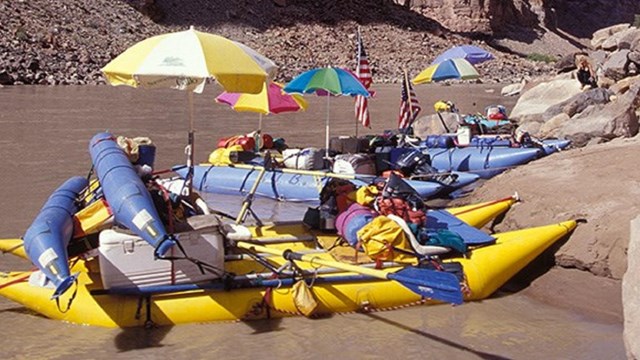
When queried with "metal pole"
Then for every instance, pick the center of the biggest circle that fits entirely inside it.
(190, 149)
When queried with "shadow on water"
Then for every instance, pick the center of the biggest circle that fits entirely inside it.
(141, 338)
(265, 326)
(23, 311)
(447, 342)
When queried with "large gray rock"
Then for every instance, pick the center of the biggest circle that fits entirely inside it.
(613, 68)
(598, 57)
(550, 128)
(631, 293)
(615, 119)
(578, 103)
(628, 38)
(534, 102)
(600, 36)
(621, 39)
(432, 124)
(513, 89)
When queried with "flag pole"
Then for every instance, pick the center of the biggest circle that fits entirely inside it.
(408, 90)
(357, 73)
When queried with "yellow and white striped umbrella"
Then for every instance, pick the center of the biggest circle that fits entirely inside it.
(185, 60)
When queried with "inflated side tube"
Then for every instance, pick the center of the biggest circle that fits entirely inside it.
(126, 194)
(46, 240)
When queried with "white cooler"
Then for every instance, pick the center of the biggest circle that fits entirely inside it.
(128, 260)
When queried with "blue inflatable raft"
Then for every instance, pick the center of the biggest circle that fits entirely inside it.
(294, 185)
(549, 146)
(126, 194)
(47, 238)
(486, 162)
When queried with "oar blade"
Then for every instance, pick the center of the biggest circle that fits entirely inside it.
(437, 285)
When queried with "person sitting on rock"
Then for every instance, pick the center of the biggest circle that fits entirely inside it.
(586, 75)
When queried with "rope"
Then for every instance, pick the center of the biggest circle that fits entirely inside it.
(16, 280)
(10, 250)
(73, 296)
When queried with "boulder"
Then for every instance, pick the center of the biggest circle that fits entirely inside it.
(624, 85)
(600, 36)
(613, 68)
(432, 124)
(598, 57)
(566, 63)
(615, 119)
(533, 103)
(513, 89)
(621, 40)
(550, 128)
(578, 103)
(631, 293)
(628, 37)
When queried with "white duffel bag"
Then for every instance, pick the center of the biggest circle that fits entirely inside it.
(354, 164)
(303, 159)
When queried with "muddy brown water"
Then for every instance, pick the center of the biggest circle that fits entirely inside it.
(44, 135)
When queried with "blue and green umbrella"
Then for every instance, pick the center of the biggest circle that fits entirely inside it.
(324, 82)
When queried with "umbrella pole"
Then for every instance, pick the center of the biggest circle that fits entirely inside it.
(356, 120)
(326, 126)
(258, 136)
(190, 147)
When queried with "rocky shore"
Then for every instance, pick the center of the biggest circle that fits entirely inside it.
(58, 42)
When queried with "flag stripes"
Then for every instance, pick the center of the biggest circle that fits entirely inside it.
(363, 72)
(409, 106)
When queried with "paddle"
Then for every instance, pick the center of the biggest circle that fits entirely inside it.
(444, 125)
(430, 284)
(248, 200)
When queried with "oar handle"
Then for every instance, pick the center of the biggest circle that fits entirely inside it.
(312, 259)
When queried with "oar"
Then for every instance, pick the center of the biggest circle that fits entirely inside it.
(444, 125)
(248, 200)
(431, 284)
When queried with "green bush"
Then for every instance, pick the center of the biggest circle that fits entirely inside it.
(541, 57)
(636, 20)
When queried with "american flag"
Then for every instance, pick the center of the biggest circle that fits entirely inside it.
(409, 106)
(364, 74)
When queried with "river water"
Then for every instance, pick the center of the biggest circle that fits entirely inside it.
(44, 135)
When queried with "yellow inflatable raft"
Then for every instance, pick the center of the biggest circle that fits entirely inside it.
(255, 281)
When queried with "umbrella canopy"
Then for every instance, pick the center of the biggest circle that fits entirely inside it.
(448, 69)
(473, 54)
(185, 60)
(273, 100)
(327, 81)
(336, 81)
